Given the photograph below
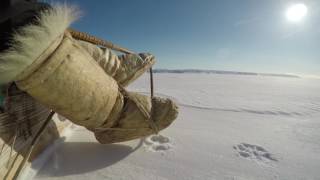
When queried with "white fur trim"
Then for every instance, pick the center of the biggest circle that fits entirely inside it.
(33, 39)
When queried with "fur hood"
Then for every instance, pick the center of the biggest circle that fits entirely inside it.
(31, 40)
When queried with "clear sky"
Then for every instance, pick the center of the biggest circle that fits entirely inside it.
(239, 35)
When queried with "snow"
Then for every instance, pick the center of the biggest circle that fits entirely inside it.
(229, 127)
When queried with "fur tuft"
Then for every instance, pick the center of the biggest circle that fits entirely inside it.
(30, 41)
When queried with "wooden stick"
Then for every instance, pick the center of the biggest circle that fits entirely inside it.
(97, 41)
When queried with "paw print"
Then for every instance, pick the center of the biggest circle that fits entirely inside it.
(254, 152)
(157, 143)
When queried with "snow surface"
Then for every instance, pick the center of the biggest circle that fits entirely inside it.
(229, 127)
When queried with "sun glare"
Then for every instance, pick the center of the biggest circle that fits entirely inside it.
(296, 12)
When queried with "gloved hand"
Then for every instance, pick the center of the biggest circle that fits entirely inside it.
(124, 68)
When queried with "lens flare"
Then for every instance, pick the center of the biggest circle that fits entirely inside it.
(296, 12)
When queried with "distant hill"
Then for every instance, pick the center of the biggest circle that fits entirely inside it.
(221, 72)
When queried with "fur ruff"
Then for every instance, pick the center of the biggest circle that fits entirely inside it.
(30, 41)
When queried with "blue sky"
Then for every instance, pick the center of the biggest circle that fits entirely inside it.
(239, 35)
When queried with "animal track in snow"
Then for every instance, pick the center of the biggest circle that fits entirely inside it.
(254, 152)
(157, 143)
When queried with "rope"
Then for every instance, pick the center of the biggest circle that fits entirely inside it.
(151, 83)
(153, 124)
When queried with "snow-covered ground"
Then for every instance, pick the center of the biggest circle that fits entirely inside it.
(230, 127)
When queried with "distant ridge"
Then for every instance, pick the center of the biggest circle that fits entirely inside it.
(221, 72)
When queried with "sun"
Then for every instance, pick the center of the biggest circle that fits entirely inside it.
(296, 12)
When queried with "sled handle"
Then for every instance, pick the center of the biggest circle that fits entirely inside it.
(97, 41)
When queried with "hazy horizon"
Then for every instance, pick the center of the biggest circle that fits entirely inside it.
(157, 70)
